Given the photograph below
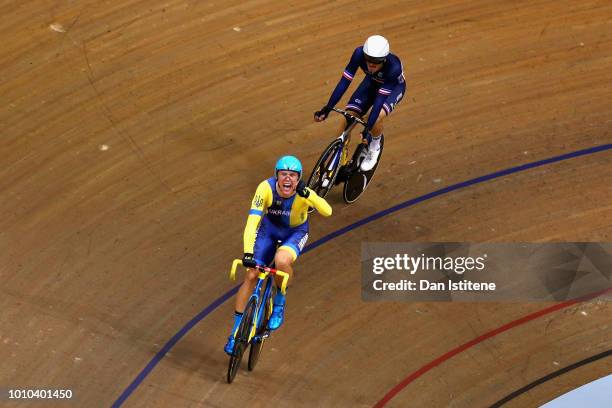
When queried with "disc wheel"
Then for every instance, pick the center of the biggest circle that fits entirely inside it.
(354, 187)
(242, 340)
(324, 172)
(358, 181)
(257, 345)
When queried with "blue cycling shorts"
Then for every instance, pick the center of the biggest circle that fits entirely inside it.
(268, 235)
(365, 94)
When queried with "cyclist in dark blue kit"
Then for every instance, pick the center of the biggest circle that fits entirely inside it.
(382, 89)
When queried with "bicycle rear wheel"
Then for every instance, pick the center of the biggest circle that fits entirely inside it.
(242, 340)
(324, 172)
(358, 181)
(354, 187)
(257, 345)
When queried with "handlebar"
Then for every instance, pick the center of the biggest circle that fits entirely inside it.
(262, 269)
(349, 116)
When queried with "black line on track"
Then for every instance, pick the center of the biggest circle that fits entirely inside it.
(550, 376)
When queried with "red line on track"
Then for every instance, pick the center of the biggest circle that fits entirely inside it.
(432, 364)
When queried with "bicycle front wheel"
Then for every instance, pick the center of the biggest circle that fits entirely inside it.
(324, 172)
(242, 340)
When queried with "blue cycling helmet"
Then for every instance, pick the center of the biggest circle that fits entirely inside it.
(290, 163)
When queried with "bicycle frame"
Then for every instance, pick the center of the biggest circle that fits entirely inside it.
(345, 136)
(265, 275)
(335, 162)
(260, 311)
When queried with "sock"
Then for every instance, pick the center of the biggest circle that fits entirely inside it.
(279, 299)
(375, 143)
(237, 317)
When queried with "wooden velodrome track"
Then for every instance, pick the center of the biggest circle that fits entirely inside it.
(135, 132)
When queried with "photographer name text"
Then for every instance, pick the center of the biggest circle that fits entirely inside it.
(426, 285)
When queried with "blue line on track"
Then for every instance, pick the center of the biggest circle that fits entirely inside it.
(164, 350)
(219, 301)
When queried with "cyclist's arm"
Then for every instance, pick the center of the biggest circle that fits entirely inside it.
(345, 81)
(261, 201)
(319, 203)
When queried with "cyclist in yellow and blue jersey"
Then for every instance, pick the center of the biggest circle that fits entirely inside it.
(278, 214)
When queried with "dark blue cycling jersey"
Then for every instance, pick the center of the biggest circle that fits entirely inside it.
(388, 79)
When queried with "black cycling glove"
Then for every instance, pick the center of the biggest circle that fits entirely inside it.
(302, 190)
(323, 112)
(248, 261)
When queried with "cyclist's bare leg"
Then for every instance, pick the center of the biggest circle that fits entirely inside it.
(342, 120)
(283, 260)
(341, 125)
(242, 297)
(377, 129)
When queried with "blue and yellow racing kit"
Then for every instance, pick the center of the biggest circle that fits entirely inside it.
(273, 218)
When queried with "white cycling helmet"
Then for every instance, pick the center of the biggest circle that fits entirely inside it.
(376, 48)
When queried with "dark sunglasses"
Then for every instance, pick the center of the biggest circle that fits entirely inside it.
(373, 60)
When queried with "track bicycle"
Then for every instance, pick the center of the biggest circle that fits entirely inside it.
(334, 166)
(253, 329)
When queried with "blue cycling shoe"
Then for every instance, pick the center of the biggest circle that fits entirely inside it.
(229, 346)
(277, 318)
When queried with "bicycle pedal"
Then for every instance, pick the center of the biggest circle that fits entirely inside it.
(261, 337)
